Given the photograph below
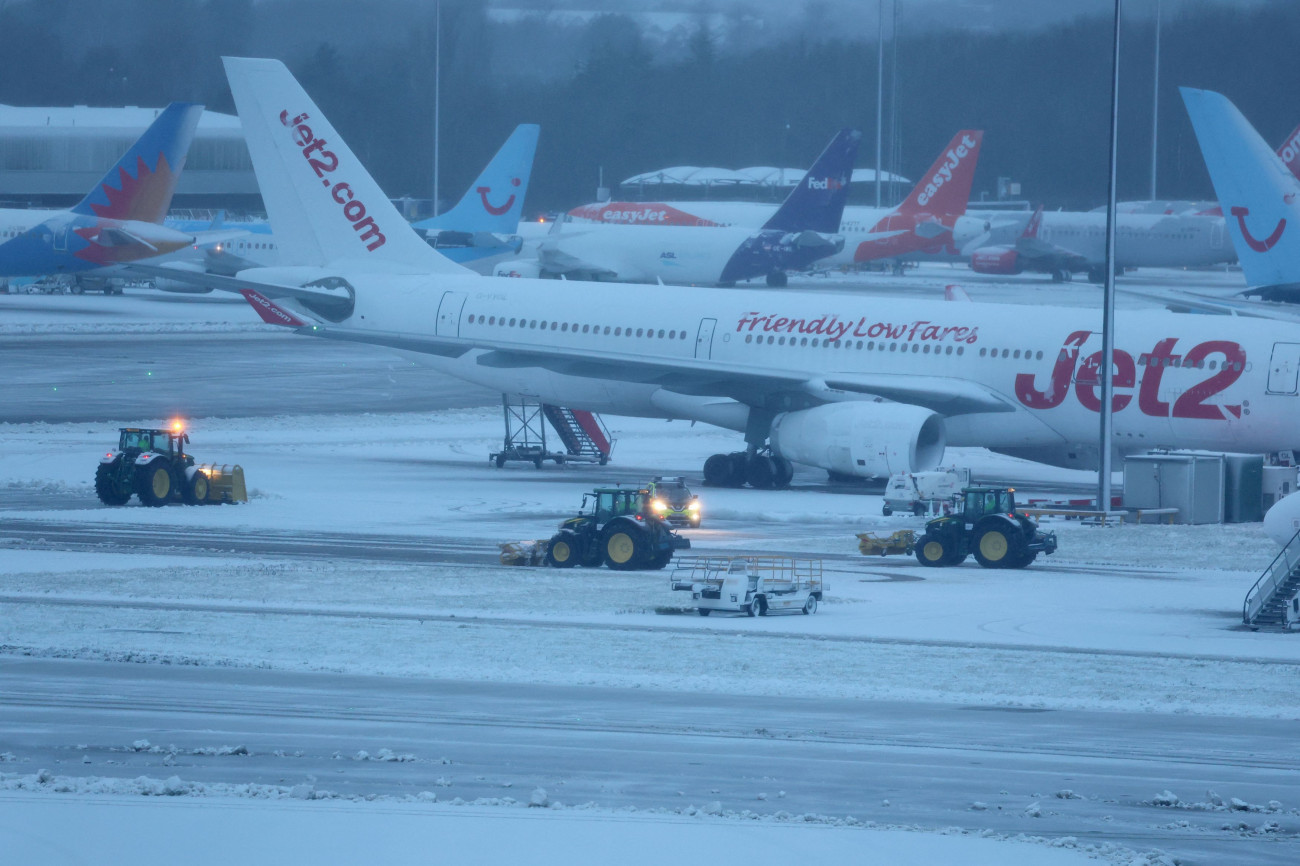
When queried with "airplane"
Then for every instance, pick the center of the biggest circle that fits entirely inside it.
(859, 387)
(925, 220)
(119, 220)
(802, 230)
(482, 229)
(1259, 189)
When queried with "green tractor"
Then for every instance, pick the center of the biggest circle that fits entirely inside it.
(986, 524)
(153, 465)
(615, 526)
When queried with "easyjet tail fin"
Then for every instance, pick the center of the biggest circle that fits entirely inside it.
(817, 203)
(140, 185)
(945, 188)
(323, 203)
(495, 201)
(1259, 196)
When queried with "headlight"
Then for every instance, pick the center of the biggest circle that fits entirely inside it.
(694, 506)
(658, 505)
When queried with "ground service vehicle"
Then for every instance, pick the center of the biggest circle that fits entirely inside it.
(987, 525)
(153, 465)
(617, 527)
(915, 492)
(672, 500)
(752, 585)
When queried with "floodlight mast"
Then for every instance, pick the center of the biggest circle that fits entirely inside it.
(1106, 432)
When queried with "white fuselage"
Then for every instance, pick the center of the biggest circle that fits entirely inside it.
(1185, 381)
(683, 255)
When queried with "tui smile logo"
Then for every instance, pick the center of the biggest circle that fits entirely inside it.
(1251, 241)
(496, 210)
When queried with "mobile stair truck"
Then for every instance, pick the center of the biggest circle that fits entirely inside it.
(752, 585)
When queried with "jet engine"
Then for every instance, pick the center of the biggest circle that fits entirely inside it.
(860, 438)
(992, 260)
(181, 288)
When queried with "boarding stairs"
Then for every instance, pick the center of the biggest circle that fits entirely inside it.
(1273, 603)
(583, 434)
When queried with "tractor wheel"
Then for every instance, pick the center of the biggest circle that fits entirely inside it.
(886, 510)
(756, 607)
(933, 551)
(499, 460)
(564, 551)
(704, 611)
(196, 489)
(106, 487)
(999, 547)
(784, 472)
(623, 547)
(717, 470)
(760, 472)
(1025, 560)
(153, 482)
(660, 560)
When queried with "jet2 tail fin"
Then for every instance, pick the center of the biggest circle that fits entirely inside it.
(140, 185)
(1259, 196)
(495, 202)
(945, 188)
(323, 203)
(817, 203)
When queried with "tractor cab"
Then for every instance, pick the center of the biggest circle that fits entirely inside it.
(605, 503)
(979, 502)
(138, 441)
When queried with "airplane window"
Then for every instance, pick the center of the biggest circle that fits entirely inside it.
(927, 349)
(683, 335)
(661, 333)
(1017, 354)
(533, 323)
(564, 327)
(618, 332)
(916, 347)
(814, 342)
(860, 345)
(781, 342)
(638, 332)
(803, 342)
(586, 328)
(892, 347)
(575, 327)
(749, 338)
(554, 325)
(672, 335)
(1038, 356)
(771, 340)
(947, 350)
(1213, 364)
(1004, 352)
(960, 350)
(981, 353)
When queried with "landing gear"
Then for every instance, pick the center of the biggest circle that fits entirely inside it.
(762, 471)
(1061, 275)
(777, 279)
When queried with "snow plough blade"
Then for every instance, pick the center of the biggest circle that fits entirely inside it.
(225, 483)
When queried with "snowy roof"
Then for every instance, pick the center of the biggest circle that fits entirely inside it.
(131, 118)
(759, 175)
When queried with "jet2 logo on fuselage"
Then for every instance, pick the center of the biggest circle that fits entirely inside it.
(496, 210)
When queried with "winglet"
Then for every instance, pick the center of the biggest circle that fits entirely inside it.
(270, 312)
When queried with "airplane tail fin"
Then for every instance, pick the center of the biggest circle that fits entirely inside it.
(945, 188)
(323, 203)
(1035, 222)
(817, 203)
(495, 202)
(1260, 197)
(140, 185)
(1290, 151)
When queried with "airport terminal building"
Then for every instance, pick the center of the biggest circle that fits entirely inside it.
(51, 157)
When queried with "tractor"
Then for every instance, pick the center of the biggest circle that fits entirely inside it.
(986, 524)
(615, 526)
(153, 465)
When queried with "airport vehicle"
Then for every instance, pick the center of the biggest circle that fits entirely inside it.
(987, 525)
(120, 220)
(1259, 192)
(615, 526)
(915, 492)
(672, 500)
(801, 231)
(752, 585)
(152, 464)
(901, 541)
(863, 387)
(924, 220)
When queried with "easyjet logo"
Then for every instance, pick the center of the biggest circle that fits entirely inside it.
(496, 210)
(944, 174)
(1259, 246)
(323, 162)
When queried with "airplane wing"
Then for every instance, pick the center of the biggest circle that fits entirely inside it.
(556, 261)
(1234, 305)
(328, 296)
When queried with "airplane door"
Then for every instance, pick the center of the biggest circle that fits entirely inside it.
(449, 314)
(1216, 236)
(61, 238)
(1284, 368)
(704, 339)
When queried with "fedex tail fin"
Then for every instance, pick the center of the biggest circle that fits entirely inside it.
(1259, 196)
(496, 200)
(945, 188)
(1290, 151)
(323, 203)
(140, 186)
(817, 203)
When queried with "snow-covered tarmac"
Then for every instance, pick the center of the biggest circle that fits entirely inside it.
(1128, 620)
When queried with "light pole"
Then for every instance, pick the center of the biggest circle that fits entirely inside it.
(880, 92)
(1108, 295)
(437, 93)
(1155, 106)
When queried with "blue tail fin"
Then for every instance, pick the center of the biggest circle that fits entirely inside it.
(1258, 194)
(495, 202)
(140, 186)
(817, 203)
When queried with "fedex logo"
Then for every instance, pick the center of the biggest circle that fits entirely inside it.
(826, 183)
(323, 162)
(944, 174)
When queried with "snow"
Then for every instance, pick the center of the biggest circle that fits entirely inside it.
(1136, 619)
